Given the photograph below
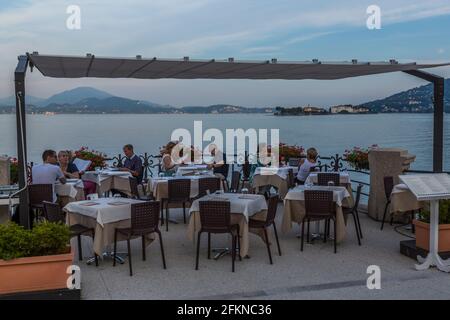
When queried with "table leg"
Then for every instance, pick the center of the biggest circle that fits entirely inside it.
(433, 258)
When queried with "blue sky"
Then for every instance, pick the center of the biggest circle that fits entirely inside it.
(246, 29)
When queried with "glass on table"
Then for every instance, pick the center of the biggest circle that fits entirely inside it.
(244, 190)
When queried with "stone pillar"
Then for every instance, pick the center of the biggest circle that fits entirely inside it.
(4, 171)
(385, 162)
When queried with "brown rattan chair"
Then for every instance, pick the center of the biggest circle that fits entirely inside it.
(208, 184)
(319, 205)
(38, 193)
(135, 190)
(179, 191)
(53, 213)
(246, 171)
(215, 218)
(324, 177)
(235, 181)
(270, 221)
(144, 221)
(294, 162)
(388, 187)
(354, 213)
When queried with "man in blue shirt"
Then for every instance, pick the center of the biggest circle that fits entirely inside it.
(132, 163)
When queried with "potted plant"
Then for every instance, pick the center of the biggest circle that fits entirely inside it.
(422, 225)
(34, 260)
(358, 157)
(98, 159)
(290, 151)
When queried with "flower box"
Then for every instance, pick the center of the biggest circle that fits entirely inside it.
(423, 236)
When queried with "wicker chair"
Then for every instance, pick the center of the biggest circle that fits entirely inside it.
(135, 191)
(388, 187)
(246, 171)
(38, 193)
(215, 218)
(319, 205)
(209, 184)
(324, 177)
(354, 213)
(144, 221)
(270, 221)
(291, 179)
(294, 162)
(235, 181)
(179, 191)
(53, 213)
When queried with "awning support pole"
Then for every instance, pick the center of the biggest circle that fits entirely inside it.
(19, 79)
(438, 122)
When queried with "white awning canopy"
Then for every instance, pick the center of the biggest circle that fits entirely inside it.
(139, 68)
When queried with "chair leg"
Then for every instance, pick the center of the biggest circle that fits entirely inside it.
(198, 250)
(162, 250)
(359, 223)
(143, 248)
(268, 245)
(209, 245)
(335, 236)
(233, 251)
(303, 233)
(80, 251)
(307, 232)
(325, 226)
(96, 259)
(184, 212)
(115, 248)
(129, 256)
(167, 216)
(238, 250)
(384, 214)
(276, 237)
(356, 228)
(162, 211)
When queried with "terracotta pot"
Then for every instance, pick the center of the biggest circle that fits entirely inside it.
(35, 273)
(423, 236)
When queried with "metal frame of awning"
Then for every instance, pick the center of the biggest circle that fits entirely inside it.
(90, 66)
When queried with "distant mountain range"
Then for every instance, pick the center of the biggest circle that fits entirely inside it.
(418, 99)
(90, 100)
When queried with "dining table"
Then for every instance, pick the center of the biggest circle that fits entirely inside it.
(294, 207)
(72, 190)
(104, 215)
(242, 208)
(108, 179)
(403, 200)
(273, 176)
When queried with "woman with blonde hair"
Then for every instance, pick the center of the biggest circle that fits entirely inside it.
(307, 165)
(168, 166)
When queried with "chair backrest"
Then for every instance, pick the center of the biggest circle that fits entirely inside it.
(145, 216)
(358, 195)
(53, 212)
(39, 193)
(319, 203)
(210, 183)
(179, 189)
(291, 179)
(324, 177)
(246, 170)
(215, 216)
(388, 186)
(294, 162)
(272, 205)
(235, 181)
(134, 187)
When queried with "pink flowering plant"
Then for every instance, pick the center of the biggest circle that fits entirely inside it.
(290, 151)
(97, 158)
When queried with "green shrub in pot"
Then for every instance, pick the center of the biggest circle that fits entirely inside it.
(444, 213)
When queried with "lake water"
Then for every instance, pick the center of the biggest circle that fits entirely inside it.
(329, 134)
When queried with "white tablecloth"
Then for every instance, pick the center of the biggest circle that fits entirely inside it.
(107, 180)
(339, 193)
(104, 211)
(282, 172)
(159, 186)
(245, 204)
(344, 178)
(69, 189)
(191, 168)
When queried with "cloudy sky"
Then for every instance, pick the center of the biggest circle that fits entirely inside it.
(412, 30)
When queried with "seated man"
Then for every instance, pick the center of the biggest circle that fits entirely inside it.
(219, 164)
(132, 163)
(48, 172)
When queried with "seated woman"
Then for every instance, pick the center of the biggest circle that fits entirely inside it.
(70, 171)
(167, 165)
(307, 165)
(219, 164)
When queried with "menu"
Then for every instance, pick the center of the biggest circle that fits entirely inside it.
(428, 186)
(82, 165)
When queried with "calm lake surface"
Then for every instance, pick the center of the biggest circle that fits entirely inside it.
(330, 134)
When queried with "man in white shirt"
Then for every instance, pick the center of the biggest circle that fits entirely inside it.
(48, 172)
